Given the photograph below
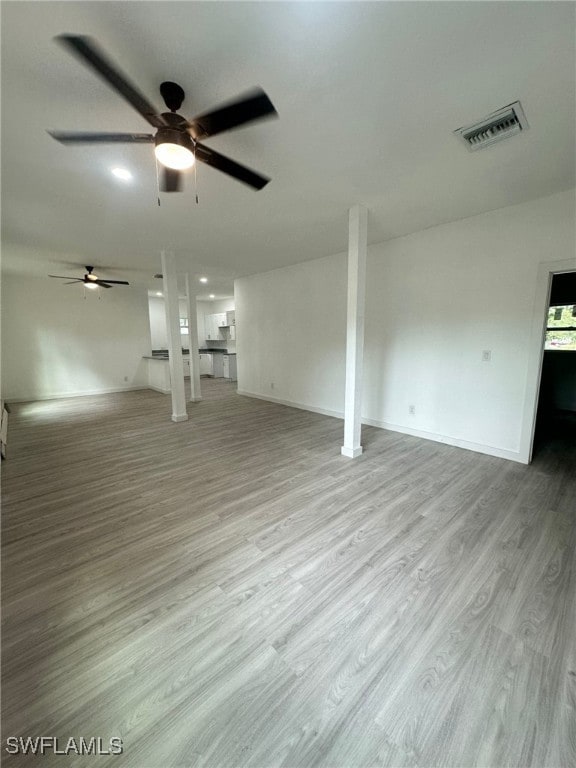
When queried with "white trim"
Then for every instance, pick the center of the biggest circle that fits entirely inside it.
(159, 389)
(193, 356)
(175, 359)
(64, 395)
(351, 453)
(489, 450)
(290, 404)
(536, 351)
(357, 246)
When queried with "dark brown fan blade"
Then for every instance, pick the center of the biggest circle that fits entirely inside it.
(254, 105)
(98, 282)
(73, 282)
(69, 137)
(65, 277)
(86, 49)
(171, 180)
(112, 282)
(232, 168)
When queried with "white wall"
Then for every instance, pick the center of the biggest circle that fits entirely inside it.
(158, 333)
(216, 305)
(435, 300)
(290, 326)
(56, 343)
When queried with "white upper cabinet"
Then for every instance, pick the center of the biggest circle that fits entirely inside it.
(211, 327)
(216, 326)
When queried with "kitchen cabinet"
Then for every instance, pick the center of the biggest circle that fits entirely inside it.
(211, 330)
(201, 327)
(206, 364)
(215, 326)
(229, 367)
(217, 366)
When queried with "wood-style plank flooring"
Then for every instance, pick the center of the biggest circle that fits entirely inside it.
(231, 592)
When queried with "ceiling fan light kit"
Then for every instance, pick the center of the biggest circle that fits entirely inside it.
(174, 149)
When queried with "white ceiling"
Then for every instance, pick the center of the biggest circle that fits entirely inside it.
(368, 96)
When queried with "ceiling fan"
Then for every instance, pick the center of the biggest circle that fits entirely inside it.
(177, 140)
(91, 280)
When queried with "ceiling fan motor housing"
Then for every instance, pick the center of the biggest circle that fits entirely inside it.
(175, 133)
(174, 136)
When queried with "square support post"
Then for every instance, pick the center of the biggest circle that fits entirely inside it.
(175, 361)
(195, 392)
(357, 246)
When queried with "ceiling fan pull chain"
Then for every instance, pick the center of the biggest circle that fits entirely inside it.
(157, 180)
(195, 174)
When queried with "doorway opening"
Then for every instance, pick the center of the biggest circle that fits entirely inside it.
(556, 411)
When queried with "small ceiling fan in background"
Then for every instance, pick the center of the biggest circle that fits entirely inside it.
(177, 140)
(91, 280)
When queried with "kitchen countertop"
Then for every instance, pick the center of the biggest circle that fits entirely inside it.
(164, 354)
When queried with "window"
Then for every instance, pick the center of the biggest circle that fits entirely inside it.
(183, 325)
(561, 329)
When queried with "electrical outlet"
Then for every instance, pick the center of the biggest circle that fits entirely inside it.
(271, 385)
(486, 355)
(412, 409)
(125, 378)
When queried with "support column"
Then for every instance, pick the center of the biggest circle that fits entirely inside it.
(357, 241)
(174, 337)
(195, 392)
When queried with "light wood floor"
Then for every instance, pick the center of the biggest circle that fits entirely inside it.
(231, 592)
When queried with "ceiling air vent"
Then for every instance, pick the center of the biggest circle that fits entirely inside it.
(495, 127)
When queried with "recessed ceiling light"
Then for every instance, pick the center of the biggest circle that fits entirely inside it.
(212, 296)
(122, 173)
(203, 279)
(158, 293)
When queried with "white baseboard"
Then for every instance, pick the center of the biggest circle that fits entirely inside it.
(351, 453)
(62, 395)
(489, 450)
(290, 404)
(158, 389)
